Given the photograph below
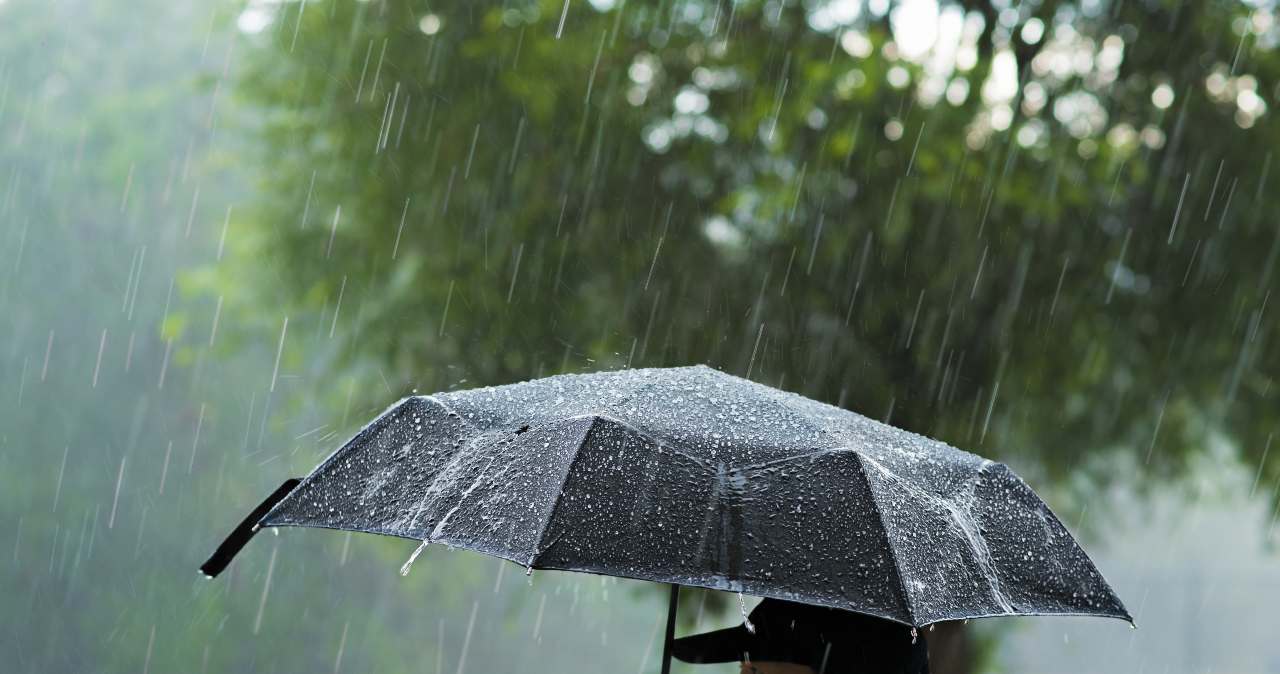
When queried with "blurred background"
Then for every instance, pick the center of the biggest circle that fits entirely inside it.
(233, 232)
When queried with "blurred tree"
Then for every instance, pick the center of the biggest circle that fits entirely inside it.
(124, 433)
(1043, 235)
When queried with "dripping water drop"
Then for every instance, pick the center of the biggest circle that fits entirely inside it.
(746, 622)
(404, 570)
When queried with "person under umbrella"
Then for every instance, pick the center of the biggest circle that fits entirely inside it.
(784, 637)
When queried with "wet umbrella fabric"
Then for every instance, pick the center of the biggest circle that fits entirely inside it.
(691, 476)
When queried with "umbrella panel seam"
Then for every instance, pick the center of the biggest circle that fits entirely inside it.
(901, 585)
(564, 480)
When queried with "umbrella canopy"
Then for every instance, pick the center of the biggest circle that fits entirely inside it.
(691, 476)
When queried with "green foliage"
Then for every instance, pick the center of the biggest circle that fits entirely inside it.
(506, 198)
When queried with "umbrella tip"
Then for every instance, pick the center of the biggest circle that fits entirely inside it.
(245, 530)
(211, 568)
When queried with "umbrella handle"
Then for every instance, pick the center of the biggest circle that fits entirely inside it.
(671, 628)
(245, 530)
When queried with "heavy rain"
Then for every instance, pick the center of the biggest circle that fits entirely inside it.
(473, 331)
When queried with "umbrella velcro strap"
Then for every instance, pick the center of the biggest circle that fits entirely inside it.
(245, 530)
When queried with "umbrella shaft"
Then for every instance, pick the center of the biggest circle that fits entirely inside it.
(671, 628)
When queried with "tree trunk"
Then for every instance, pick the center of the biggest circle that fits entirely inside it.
(950, 648)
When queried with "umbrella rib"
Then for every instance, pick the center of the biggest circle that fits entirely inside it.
(366, 432)
(449, 410)
(596, 417)
(564, 479)
(839, 449)
(961, 514)
(359, 439)
(888, 544)
(657, 442)
(963, 519)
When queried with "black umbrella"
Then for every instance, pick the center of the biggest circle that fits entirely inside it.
(691, 476)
